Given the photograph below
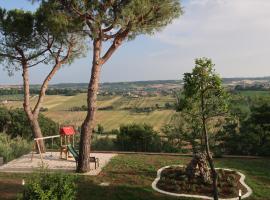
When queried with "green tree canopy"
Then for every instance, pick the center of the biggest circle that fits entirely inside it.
(204, 84)
(19, 39)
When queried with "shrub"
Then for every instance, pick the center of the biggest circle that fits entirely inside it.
(13, 148)
(50, 186)
(4, 118)
(249, 137)
(138, 137)
(104, 144)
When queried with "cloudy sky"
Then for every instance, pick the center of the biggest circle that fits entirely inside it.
(234, 33)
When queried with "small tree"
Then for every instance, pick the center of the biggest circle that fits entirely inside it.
(28, 39)
(113, 21)
(205, 99)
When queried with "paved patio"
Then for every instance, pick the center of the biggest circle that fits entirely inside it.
(52, 161)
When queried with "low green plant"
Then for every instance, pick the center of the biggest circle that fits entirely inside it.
(13, 148)
(50, 186)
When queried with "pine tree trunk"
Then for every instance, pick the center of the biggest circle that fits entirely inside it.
(33, 120)
(38, 134)
(89, 122)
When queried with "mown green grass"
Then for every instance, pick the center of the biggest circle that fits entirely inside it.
(130, 178)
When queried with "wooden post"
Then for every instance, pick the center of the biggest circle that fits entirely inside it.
(33, 151)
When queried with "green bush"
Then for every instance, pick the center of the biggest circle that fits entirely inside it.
(50, 186)
(4, 118)
(13, 148)
(249, 137)
(15, 123)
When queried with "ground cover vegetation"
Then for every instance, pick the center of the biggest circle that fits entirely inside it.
(11, 148)
(47, 186)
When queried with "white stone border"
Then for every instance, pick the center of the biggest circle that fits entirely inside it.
(242, 178)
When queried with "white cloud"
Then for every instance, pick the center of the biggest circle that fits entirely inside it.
(235, 33)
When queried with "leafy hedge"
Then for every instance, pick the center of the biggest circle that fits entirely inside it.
(15, 123)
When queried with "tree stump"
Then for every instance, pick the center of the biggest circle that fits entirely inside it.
(198, 168)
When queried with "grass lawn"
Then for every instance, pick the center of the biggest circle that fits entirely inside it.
(130, 178)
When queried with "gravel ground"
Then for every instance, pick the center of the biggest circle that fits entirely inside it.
(52, 161)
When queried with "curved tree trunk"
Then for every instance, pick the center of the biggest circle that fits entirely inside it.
(27, 108)
(89, 122)
(212, 166)
(208, 153)
(33, 114)
(38, 134)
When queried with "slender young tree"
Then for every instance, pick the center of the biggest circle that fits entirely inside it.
(205, 99)
(113, 21)
(27, 40)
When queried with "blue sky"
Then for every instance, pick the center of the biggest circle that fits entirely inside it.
(234, 33)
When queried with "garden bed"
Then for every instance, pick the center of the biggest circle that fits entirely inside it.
(172, 180)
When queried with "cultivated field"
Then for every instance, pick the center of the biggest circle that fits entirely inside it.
(59, 110)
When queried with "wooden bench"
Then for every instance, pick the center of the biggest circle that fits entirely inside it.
(94, 160)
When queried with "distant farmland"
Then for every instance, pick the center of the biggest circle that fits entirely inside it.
(59, 110)
(120, 108)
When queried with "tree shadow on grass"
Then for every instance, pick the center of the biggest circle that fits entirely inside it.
(144, 173)
(91, 191)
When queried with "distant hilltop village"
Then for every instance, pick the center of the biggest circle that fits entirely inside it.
(11, 86)
(131, 89)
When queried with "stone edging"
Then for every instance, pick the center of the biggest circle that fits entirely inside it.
(242, 178)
